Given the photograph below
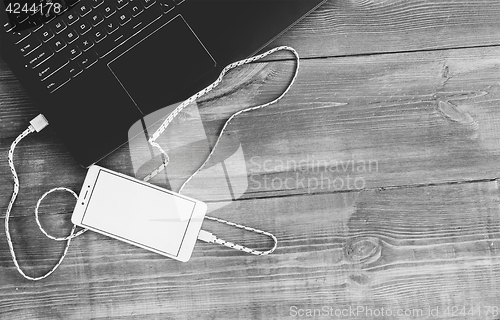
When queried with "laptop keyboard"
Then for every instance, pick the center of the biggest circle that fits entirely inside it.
(66, 45)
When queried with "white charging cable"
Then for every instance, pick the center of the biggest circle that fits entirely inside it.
(37, 124)
(40, 122)
(206, 236)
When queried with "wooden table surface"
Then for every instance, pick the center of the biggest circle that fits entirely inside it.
(377, 172)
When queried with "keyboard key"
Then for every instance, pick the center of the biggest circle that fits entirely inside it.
(96, 18)
(87, 60)
(83, 27)
(39, 55)
(85, 43)
(72, 3)
(109, 45)
(47, 15)
(124, 17)
(83, 9)
(73, 52)
(98, 35)
(57, 79)
(21, 17)
(96, 3)
(148, 3)
(35, 23)
(29, 44)
(146, 18)
(20, 35)
(47, 68)
(58, 26)
(166, 5)
(108, 10)
(121, 3)
(8, 26)
(45, 34)
(71, 18)
(70, 35)
(135, 10)
(57, 44)
(74, 69)
(110, 26)
(58, 7)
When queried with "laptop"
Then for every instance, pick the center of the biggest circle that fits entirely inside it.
(95, 67)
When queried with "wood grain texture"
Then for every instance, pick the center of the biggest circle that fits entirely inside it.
(347, 27)
(400, 96)
(397, 249)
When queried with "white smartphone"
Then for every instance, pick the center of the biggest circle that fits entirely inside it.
(139, 213)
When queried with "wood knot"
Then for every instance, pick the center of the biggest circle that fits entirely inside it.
(455, 113)
(359, 278)
(363, 250)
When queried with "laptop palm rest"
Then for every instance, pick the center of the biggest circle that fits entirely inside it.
(162, 64)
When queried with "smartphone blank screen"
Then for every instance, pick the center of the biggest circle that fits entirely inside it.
(138, 213)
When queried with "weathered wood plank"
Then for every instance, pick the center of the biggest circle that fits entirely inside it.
(405, 248)
(347, 27)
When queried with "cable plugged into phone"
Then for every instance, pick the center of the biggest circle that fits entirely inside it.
(40, 122)
(206, 236)
(37, 124)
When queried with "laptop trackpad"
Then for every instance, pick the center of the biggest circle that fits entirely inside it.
(163, 63)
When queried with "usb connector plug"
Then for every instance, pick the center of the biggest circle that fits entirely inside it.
(206, 236)
(38, 123)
